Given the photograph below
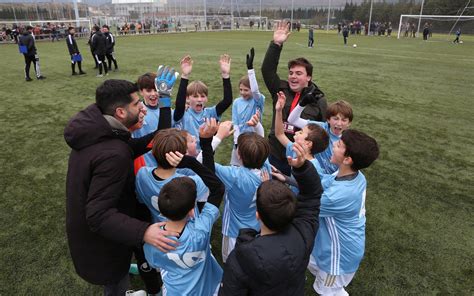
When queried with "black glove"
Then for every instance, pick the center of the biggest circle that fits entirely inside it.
(250, 59)
(309, 98)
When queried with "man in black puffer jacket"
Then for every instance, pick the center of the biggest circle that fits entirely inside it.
(27, 43)
(100, 188)
(76, 57)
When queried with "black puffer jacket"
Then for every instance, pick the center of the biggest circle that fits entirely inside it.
(314, 111)
(28, 40)
(101, 202)
(275, 264)
(98, 43)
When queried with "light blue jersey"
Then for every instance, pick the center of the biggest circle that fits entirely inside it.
(241, 186)
(243, 110)
(191, 269)
(148, 189)
(324, 157)
(340, 242)
(150, 123)
(192, 120)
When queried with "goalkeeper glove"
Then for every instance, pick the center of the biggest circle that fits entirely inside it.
(164, 82)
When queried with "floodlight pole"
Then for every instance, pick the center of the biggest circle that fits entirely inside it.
(205, 16)
(261, 15)
(329, 16)
(291, 25)
(419, 19)
(76, 13)
(467, 6)
(370, 16)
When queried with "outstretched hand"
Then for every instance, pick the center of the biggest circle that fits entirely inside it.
(281, 32)
(254, 120)
(186, 66)
(225, 130)
(208, 129)
(250, 59)
(280, 104)
(224, 62)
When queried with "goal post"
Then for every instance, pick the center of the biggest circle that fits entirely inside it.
(447, 22)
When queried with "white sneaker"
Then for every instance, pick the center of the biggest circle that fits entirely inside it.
(135, 293)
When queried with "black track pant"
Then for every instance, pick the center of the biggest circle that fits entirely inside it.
(101, 62)
(111, 58)
(32, 59)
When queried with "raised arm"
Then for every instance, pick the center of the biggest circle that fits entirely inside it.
(279, 130)
(186, 69)
(272, 56)
(256, 95)
(225, 72)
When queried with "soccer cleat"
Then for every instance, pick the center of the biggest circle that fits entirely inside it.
(74, 73)
(41, 77)
(82, 73)
(28, 79)
(99, 75)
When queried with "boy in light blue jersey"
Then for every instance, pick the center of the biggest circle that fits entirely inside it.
(152, 96)
(196, 94)
(150, 180)
(241, 184)
(311, 137)
(339, 118)
(191, 269)
(250, 103)
(340, 240)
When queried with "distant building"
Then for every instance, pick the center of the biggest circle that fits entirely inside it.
(127, 8)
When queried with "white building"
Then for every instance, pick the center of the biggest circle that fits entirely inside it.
(126, 8)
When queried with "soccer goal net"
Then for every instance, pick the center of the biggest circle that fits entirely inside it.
(413, 25)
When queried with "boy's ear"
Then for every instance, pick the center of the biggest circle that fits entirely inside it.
(238, 154)
(309, 144)
(257, 215)
(191, 213)
(347, 161)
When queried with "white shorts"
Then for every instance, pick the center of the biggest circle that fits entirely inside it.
(327, 284)
(228, 244)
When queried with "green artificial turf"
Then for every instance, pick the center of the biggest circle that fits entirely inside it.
(414, 97)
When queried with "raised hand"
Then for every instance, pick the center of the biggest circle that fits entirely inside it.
(299, 160)
(250, 59)
(255, 119)
(186, 66)
(281, 32)
(277, 174)
(280, 104)
(225, 130)
(224, 62)
(164, 82)
(208, 129)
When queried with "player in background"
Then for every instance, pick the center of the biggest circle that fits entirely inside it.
(74, 52)
(250, 103)
(109, 48)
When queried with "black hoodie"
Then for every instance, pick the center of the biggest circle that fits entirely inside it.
(98, 43)
(28, 40)
(100, 202)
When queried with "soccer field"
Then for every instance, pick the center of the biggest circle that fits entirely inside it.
(414, 97)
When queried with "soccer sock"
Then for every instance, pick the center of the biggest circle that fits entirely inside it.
(79, 64)
(73, 67)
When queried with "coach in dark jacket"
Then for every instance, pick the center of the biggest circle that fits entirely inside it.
(100, 187)
(31, 56)
(99, 48)
(74, 52)
(297, 86)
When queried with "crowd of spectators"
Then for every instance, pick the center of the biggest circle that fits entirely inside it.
(49, 31)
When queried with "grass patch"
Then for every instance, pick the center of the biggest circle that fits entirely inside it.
(414, 97)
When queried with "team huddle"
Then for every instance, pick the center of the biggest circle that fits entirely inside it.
(142, 179)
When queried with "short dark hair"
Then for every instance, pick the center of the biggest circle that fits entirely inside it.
(177, 198)
(301, 62)
(253, 150)
(114, 93)
(146, 81)
(318, 136)
(168, 140)
(29, 28)
(96, 28)
(362, 148)
(70, 28)
(105, 26)
(276, 205)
